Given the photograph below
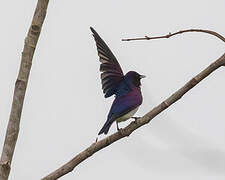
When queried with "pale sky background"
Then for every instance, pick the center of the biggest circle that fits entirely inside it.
(64, 105)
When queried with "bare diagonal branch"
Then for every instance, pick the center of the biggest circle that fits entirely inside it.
(179, 32)
(20, 88)
(95, 147)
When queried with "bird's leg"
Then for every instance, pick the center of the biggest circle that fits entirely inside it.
(120, 130)
(96, 140)
(117, 126)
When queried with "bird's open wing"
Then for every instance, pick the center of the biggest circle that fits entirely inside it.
(112, 73)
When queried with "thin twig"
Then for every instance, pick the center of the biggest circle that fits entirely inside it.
(179, 32)
(95, 147)
(20, 88)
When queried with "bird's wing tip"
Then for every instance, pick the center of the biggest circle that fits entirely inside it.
(92, 29)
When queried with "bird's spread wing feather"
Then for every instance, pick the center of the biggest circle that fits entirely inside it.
(112, 73)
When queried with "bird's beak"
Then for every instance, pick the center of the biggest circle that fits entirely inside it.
(142, 76)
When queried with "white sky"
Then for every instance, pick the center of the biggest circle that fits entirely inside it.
(64, 106)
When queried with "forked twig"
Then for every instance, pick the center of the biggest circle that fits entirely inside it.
(179, 32)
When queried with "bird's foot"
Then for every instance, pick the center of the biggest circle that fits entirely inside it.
(121, 131)
(135, 118)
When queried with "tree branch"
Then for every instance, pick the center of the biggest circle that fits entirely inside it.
(20, 88)
(179, 32)
(95, 147)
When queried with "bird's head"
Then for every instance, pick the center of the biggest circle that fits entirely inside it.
(134, 78)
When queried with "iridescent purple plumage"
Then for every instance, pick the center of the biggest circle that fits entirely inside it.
(126, 88)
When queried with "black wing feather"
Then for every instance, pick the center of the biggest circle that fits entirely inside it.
(112, 73)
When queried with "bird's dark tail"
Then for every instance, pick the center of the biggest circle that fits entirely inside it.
(105, 128)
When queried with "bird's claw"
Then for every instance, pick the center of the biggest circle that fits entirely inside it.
(120, 130)
(136, 118)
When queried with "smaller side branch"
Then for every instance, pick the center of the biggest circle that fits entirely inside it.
(179, 32)
(95, 147)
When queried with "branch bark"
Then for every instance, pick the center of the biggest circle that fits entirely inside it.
(95, 147)
(20, 88)
(179, 32)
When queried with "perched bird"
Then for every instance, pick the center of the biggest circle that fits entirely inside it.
(126, 88)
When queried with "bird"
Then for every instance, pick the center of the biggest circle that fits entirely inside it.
(126, 88)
